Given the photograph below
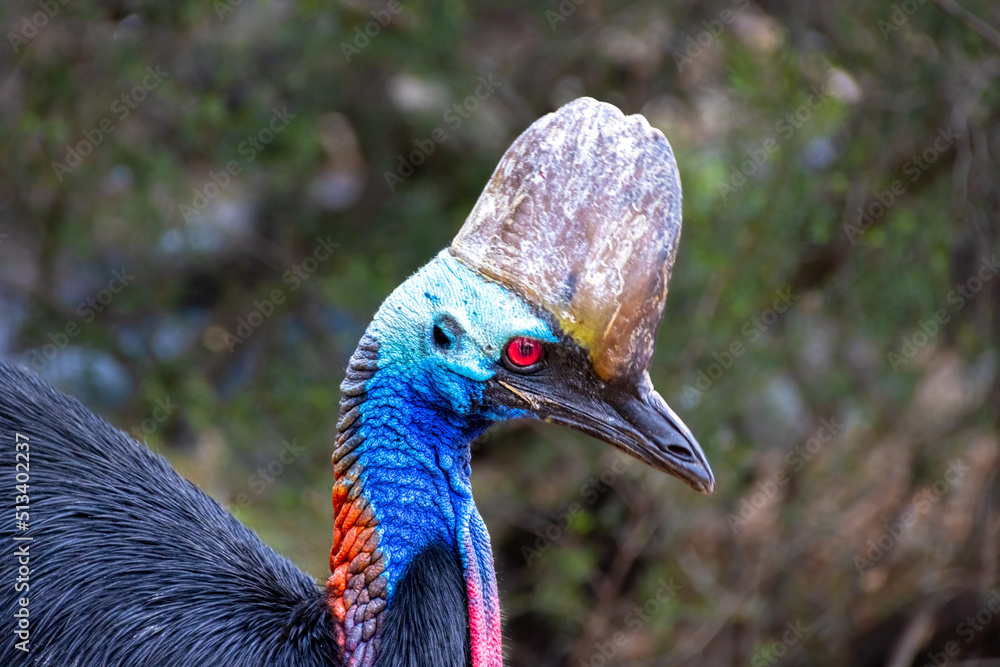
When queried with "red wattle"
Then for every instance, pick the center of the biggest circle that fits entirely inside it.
(484, 613)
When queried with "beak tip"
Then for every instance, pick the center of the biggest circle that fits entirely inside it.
(702, 481)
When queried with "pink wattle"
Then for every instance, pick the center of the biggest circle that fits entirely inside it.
(484, 611)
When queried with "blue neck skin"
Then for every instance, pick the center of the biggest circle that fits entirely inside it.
(416, 467)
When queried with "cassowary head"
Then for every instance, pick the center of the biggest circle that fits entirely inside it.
(546, 305)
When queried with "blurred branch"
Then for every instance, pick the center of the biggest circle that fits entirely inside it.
(973, 22)
(918, 632)
(609, 586)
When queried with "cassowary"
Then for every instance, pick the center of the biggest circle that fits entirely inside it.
(546, 306)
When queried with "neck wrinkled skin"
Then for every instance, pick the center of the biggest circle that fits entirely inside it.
(402, 485)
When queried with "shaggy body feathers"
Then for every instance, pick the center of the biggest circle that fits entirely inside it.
(427, 624)
(132, 565)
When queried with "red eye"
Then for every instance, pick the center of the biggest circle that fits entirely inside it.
(524, 352)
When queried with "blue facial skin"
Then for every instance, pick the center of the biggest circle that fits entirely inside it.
(424, 408)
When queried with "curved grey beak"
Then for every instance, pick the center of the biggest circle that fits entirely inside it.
(632, 417)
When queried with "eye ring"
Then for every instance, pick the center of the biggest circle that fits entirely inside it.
(523, 354)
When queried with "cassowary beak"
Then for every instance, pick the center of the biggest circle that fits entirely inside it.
(633, 418)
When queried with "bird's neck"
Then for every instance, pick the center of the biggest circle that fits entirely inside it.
(408, 540)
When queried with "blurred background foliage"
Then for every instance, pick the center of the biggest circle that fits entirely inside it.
(786, 118)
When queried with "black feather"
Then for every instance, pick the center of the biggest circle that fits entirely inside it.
(133, 566)
(427, 624)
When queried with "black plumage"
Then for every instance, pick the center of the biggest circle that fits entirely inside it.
(427, 623)
(133, 566)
